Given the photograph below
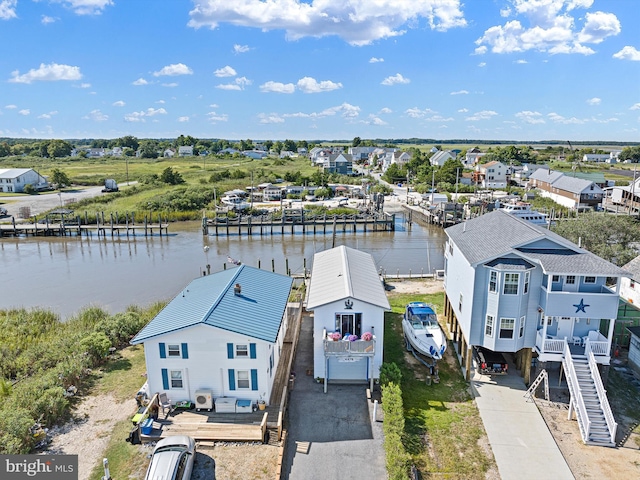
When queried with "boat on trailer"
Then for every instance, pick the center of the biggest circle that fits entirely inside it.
(422, 330)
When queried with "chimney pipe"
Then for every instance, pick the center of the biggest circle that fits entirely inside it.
(237, 290)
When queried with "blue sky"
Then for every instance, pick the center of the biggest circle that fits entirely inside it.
(321, 69)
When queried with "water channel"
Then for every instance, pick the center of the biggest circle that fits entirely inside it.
(69, 273)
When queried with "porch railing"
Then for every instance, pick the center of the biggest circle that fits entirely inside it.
(576, 394)
(598, 343)
(550, 345)
(345, 347)
(612, 425)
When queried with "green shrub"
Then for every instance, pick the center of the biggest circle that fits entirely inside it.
(15, 436)
(96, 346)
(390, 373)
(397, 458)
(29, 189)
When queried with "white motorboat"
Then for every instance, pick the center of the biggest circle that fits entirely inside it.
(422, 331)
(523, 210)
(234, 201)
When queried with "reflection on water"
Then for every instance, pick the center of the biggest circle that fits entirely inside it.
(66, 274)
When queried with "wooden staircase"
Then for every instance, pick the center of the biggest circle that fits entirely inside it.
(589, 399)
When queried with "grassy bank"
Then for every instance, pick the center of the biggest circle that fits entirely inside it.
(443, 429)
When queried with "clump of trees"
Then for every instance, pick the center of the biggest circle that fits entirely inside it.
(42, 356)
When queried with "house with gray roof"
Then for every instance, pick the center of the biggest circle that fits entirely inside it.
(512, 286)
(348, 302)
(222, 333)
(630, 286)
(13, 180)
(572, 192)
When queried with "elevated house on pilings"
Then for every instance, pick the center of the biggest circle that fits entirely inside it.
(512, 286)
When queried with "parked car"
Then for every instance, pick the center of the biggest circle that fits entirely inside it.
(3, 212)
(490, 362)
(172, 459)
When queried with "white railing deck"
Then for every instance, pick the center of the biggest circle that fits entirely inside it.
(345, 347)
(576, 394)
(549, 345)
(599, 343)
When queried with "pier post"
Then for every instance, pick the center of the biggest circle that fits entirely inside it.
(273, 265)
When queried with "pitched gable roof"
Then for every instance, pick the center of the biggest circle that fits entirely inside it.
(344, 272)
(210, 300)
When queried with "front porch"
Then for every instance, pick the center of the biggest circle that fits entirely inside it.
(551, 348)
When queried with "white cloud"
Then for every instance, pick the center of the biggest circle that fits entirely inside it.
(376, 60)
(8, 9)
(240, 48)
(96, 116)
(214, 117)
(628, 53)
(141, 116)
(385, 110)
(239, 84)
(482, 115)
(140, 81)
(170, 85)
(482, 64)
(635, 106)
(270, 118)
(161, 102)
(13, 107)
(118, 103)
(530, 117)
(225, 72)
(375, 120)
(46, 19)
(183, 119)
(395, 80)
(415, 112)
(84, 85)
(214, 105)
(521, 62)
(311, 85)
(604, 120)
(550, 27)
(554, 117)
(277, 87)
(346, 110)
(463, 110)
(173, 70)
(438, 118)
(47, 73)
(460, 92)
(358, 23)
(86, 7)
(47, 116)
(594, 101)
(24, 111)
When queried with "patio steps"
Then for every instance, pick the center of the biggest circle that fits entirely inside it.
(598, 432)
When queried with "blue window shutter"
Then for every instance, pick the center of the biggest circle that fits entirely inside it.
(254, 379)
(163, 350)
(232, 379)
(229, 350)
(252, 350)
(165, 379)
(185, 351)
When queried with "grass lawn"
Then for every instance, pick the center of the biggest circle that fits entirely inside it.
(122, 377)
(444, 431)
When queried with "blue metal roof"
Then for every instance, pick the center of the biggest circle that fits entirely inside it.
(257, 312)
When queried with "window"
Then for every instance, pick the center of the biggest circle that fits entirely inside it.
(176, 378)
(632, 284)
(493, 281)
(521, 331)
(589, 279)
(349, 323)
(173, 350)
(243, 378)
(488, 327)
(571, 279)
(242, 351)
(506, 327)
(555, 278)
(526, 282)
(460, 303)
(511, 283)
(450, 247)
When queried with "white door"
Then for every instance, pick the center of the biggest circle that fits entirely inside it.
(565, 328)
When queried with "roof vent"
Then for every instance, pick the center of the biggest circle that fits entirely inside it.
(237, 290)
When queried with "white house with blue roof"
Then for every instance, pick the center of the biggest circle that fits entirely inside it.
(348, 303)
(512, 286)
(223, 333)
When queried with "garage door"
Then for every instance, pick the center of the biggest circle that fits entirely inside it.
(348, 368)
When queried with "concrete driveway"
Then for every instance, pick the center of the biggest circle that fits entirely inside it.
(330, 436)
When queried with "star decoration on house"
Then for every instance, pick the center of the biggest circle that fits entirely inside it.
(580, 307)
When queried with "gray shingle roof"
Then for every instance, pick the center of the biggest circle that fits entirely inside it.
(546, 175)
(210, 300)
(633, 267)
(576, 185)
(344, 272)
(498, 234)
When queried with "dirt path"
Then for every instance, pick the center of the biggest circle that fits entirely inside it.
(88, 434)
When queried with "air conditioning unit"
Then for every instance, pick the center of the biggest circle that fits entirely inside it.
(204, 399)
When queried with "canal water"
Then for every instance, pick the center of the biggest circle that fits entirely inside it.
(67, 274)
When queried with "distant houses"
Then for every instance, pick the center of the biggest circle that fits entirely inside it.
(571, 192)
(14, 180)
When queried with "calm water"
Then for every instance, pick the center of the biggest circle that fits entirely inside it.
(67, 274)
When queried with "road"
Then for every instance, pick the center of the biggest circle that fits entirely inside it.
(47, 201)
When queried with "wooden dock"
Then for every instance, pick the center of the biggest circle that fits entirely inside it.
(443, 215)
(78, 226)
(294, 220)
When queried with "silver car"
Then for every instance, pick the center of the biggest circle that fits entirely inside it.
(172, 459)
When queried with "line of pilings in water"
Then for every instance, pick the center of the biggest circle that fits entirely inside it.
(293, 221)
(65, 224)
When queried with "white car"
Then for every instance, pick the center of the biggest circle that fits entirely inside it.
(172, 459)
